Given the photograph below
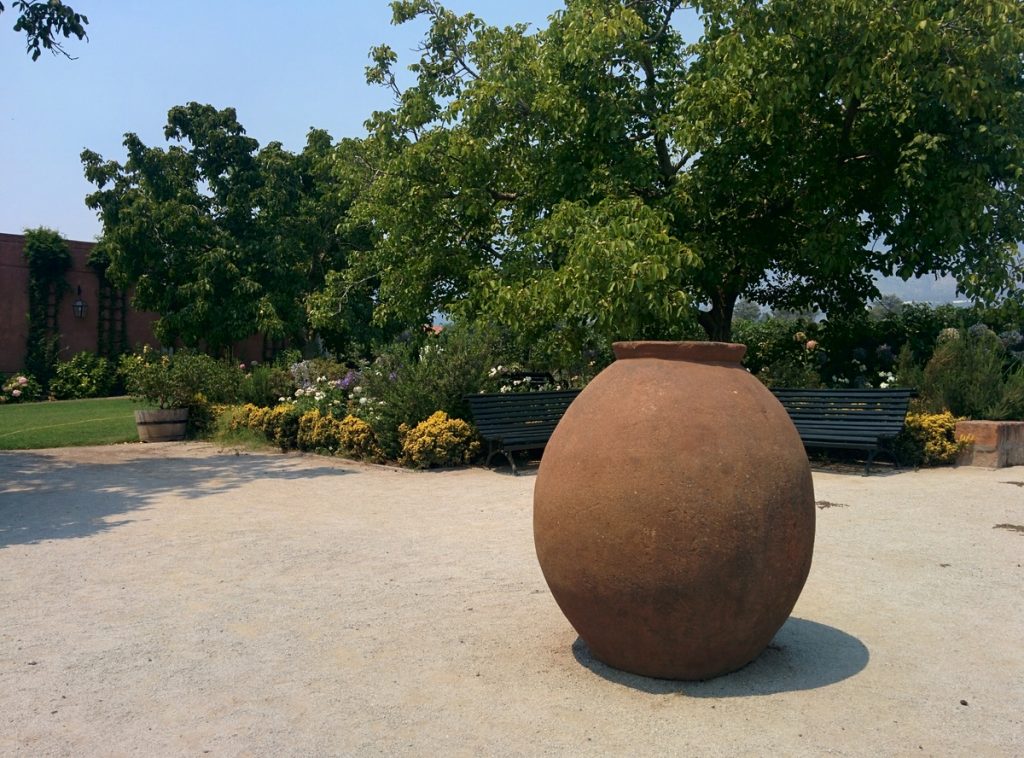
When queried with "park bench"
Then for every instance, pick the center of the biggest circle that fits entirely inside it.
(517, 420)
(858, 419)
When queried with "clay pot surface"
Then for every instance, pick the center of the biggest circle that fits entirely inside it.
(674, 512)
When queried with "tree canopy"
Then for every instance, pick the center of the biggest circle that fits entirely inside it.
(45, 22)
(605, 176)
(223, 238)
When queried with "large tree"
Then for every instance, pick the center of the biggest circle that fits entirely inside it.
(603, 174)
(219, 237)
(44, 22)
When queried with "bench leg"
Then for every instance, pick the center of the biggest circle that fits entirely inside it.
(867, 463)
(492, 451)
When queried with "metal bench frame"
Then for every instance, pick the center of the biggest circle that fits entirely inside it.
(858, 419)
(514, 421)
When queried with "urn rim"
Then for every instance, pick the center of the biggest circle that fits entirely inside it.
(692, 351)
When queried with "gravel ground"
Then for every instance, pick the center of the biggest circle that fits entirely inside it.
(178, 599)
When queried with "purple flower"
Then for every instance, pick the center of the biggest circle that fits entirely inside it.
(392, 376)
(348, 380)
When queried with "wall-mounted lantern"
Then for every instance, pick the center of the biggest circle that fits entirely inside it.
(79, 307)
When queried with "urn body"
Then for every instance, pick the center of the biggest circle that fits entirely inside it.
(674, 512)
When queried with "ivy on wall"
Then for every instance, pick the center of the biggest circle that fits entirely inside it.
(48, 260)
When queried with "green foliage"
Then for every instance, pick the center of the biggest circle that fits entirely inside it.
(603, 174)
(777, 351)
(929, 439)
(265, 385)
(45, 22)
(407, 383)
(85, 375)
(20, 388)
(48, 260)
(220, 237)
(967, 375)
(181, 380)
(438, 441)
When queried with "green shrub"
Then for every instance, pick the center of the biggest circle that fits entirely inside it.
(782, 352)
(265, 385)
(407, 383)
(967, 376)
(20, 388)
(438, 441)
(172, 381)
(929, 439)
(85, 375)
(182, 380)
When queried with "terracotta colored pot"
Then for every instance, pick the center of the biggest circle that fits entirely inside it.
(674, 512)
(167, 425)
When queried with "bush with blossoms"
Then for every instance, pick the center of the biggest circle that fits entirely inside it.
(21, 388)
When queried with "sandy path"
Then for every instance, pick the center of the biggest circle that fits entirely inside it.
(179, 600)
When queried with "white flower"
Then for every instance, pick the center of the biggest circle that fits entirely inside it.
(319, 396)
(282, 400)
(362, 401)
(357, 390)
(884, 385)
(299, 392)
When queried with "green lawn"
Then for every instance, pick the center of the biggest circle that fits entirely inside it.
(66, 423)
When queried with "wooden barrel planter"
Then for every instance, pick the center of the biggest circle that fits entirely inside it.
(166, 425)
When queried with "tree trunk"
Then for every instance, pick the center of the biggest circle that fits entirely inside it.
(717, 322)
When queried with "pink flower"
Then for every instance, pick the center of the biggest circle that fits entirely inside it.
(22, 381)
(16, 393)
(811, 344)
(241, 366)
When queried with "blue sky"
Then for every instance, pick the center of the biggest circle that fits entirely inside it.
(285, 67)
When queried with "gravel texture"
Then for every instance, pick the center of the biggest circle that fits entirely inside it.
(177, 599)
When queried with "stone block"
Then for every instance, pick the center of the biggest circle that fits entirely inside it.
(996, 443)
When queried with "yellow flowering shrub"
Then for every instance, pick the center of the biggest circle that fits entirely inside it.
(240, 416)
(318, 431)
(438, 441)
(356, 439)
(282, 426)
(929, 439)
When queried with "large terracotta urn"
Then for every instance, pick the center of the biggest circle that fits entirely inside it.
(674, 512)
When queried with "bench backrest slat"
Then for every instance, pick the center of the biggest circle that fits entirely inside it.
(498, 415)
(851, 414)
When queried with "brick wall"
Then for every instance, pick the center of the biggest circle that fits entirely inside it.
(76, 334)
